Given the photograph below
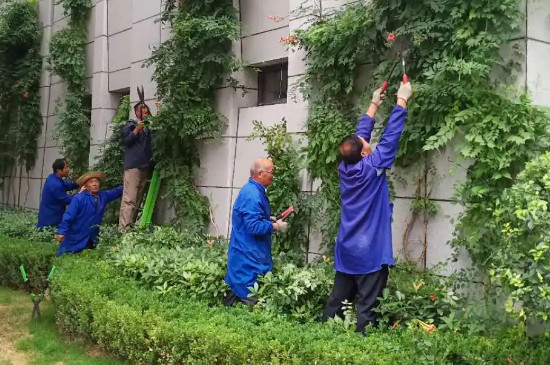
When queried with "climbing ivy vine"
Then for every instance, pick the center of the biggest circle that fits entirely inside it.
(188, 67)
(68, 60)
(463, 95)
(286, 189)
(20, 67)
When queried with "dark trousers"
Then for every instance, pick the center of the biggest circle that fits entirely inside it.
(232, 298)
(365, 288)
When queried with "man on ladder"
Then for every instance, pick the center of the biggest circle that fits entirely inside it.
(138, 162)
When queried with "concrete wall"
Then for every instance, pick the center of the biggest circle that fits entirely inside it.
(121, 36)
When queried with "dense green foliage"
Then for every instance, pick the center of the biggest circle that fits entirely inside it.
(20, 224)
(520, 263)
(92, 299)
(37, 258)
(68, 60)
(286, 189)
(20, 67)
(111, 160)
(189, 66)
(451, 49)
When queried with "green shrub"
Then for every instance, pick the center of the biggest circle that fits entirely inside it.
(144, 326)
(37, 258)
(23, 225)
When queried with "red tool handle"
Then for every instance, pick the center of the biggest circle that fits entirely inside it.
(286, 213)
(385, 86)
(405, 78)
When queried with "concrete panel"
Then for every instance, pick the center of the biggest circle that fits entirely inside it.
(234, 194)
(36, 171)
(42, 137)
(538, 20)
(142, 9)
(220, 199)
(217, 158)
(58, 12)
(142, 76)
(255, 13)
(264, 47)
(145, 36)
(100, 122)
(92, 23)
(44, 95)
(294, 113)
(100, 19)
(401, 218)
(50, 155)
(247, 151)
(538, 77)
(10, 191)
(101, 55)
(50, 136)
(119, 80)
(516, 52)
(57, 92)
(119, 51)
(45, 12)
(120, 15)
(29, 196)
(89, 51)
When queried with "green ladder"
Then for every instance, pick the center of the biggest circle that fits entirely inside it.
(152, 194)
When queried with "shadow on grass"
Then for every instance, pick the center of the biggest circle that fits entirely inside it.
(43, 343)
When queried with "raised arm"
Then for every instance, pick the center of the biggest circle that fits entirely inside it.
(366, 123)
(60, 194)
(129, 134)
(69, 185)
(113, 194)
(386, 150)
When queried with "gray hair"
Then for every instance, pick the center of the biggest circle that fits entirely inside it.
(259, 165)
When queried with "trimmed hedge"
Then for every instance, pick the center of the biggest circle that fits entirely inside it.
(37, 258)
(134, 322)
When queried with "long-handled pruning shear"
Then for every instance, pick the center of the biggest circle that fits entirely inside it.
(35, 298)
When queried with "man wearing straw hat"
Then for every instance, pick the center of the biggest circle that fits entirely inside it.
(79, 228)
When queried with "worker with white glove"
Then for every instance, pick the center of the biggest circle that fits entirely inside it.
(363, 249)
(249, 253)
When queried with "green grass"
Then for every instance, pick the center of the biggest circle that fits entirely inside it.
(40, 340)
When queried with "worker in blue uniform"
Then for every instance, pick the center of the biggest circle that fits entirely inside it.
(54, 195)
(79, 228)
(249, 253)
(363, 248)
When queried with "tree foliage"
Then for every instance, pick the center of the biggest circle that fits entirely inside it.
(188, 67)
(20, 67)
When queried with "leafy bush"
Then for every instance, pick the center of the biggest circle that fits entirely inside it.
(23, 224)
(522, 226)
(143, 326)
(37, 258)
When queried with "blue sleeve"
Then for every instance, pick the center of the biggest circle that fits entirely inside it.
(128, 135)
(386, 150)
(113, 194)
(60, 194)
(69, 185)
(68, 217)
(365, 127)
(253, 218)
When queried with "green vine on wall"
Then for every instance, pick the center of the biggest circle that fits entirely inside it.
(68, 60)
(20, 67)
(189, 66)
(286, 189)
(452, 53)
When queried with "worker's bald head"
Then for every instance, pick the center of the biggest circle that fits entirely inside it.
(353, 148)
(261, 171)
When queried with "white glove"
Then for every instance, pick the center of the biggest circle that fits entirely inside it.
(378, 97)
(273, 219)
(405, 91)
(283, 226)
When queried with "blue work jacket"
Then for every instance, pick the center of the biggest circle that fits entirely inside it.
(54, 200)
(249, 253)
(82, 219)
(364, 240)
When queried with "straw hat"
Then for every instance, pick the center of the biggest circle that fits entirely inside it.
(100, 175)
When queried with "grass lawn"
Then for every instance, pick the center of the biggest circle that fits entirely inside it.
(25, 341)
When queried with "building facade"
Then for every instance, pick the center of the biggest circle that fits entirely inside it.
(121, 37)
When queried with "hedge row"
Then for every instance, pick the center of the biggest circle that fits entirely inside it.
(37, 258)
(93, 300)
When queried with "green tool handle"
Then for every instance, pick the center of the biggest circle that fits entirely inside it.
(51, 273)
(23, 273)
(150, 201)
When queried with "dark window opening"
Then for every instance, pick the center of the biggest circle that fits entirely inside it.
(273, 83)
